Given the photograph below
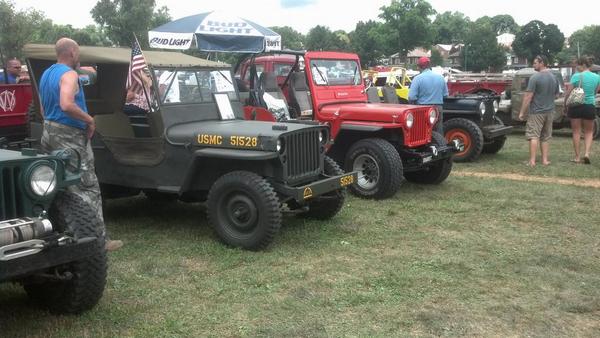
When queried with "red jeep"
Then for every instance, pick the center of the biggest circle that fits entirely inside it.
(383, 142)
(14, 104)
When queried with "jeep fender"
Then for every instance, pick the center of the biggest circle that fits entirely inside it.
(208, 163)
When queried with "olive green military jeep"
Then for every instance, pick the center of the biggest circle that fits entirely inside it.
(194, 145)
(49, 239)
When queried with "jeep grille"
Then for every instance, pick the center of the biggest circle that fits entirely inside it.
(420, 133)
(303, 158)
(11, 205)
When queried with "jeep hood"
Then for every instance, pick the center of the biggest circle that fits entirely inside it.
(370, 112)
(236, 134)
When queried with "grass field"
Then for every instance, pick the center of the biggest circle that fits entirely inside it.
(474, 256)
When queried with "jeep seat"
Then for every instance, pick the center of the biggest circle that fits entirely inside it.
(372, 95)
(389, 95)
(300, 100)
(271, 97)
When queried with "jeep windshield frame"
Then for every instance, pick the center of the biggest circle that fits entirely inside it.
(335, 72)
(192, 85)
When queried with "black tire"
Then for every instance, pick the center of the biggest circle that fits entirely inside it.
(379, 166)
(434, 174)
(495, 146)
(69, 213)
(328, 205)
(596, 128)
(469, 133)
(244, 210)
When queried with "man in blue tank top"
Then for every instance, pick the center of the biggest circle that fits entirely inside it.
(67, 123)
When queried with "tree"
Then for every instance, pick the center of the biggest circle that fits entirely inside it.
(18, 28)
(366, 41)
(290, 38)
(482, 51)
(436, 58)
(582, 42)
(504, 23)
(322, 38)
(537, 38)
(450, 27)
(407, 25)
(120, 19)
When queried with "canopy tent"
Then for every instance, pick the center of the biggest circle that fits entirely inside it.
(215, 32)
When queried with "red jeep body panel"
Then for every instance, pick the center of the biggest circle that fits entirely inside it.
(14, 104)
(457, 87)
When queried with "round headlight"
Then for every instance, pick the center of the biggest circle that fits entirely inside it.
(496, 106)
(280, 145)
(43, 180)
(321, 137)
(482, 108)
(410, 120)
(432, 116)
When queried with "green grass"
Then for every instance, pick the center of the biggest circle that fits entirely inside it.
(516, 151)
(473, 256)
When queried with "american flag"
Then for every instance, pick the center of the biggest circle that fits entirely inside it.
(137, 65)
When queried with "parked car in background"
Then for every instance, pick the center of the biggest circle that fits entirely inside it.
(384, 143)
(512, 100)
(469, 118)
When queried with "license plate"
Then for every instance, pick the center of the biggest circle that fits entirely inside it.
(346, 180)
(427, 159)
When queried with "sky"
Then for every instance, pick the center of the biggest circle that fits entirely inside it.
(302, 15)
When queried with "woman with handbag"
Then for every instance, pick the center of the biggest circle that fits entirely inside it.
(580, 106)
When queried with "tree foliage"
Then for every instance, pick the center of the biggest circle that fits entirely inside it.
(481, 51)
(450, 27)
(537, 38)
(290, 38)
(407, 25)
(436, 58)
(18, 28)
(503, 23)
(583, 42)
(366, 41)
(120, 19)
(322, 38)
(31, 26)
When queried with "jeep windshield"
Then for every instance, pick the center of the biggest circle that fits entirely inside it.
(193, 86)
(335, 72)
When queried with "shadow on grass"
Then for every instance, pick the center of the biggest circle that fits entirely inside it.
(188, 222)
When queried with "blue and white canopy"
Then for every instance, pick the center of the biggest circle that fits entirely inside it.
(215, 32)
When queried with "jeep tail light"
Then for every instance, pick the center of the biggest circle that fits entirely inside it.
(410, 120)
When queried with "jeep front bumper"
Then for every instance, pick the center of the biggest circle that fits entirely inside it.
(35, 255)
(495, 130)
(417, 159)
(314, 189)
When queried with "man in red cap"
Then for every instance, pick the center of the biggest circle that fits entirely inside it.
(428, 88)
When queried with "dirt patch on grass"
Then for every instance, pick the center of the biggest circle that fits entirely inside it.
(591, 183)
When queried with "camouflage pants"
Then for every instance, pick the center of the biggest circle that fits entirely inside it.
(58, 136)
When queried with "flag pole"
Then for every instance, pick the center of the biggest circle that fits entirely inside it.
(150, 107)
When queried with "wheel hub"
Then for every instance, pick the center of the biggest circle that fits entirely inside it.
(241, 212)
(462, 136)
(368, 171)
